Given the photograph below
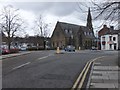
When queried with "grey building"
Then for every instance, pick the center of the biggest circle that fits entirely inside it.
(70, 34)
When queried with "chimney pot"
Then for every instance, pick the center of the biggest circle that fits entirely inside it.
(104, 26)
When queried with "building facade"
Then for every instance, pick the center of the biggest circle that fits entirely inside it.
(70, 34)
(109, 42)
(105, 32)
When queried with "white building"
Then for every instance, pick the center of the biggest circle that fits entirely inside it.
(109, 42)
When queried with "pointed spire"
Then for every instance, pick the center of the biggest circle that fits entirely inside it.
(89, 20)
(89, 15)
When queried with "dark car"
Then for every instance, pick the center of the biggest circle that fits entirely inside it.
(70, 48)
(94, 48)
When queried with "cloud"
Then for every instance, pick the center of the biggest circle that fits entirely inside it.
(52, 12)
(63, 8)
(54, 8)
(59, 9)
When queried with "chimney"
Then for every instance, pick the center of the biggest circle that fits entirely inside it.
(104, 26)
(111, 27)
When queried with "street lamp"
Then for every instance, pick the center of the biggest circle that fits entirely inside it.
(97, 39)
(44, 44)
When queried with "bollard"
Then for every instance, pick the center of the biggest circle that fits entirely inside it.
(58, 50)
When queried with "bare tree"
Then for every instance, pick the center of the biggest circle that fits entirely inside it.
(41, 27)
(108, 10)
(10, 23)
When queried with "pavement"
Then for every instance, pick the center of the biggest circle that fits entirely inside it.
(104, 74)
(13, 55)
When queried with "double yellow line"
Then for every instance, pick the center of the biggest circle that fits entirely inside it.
(81, 78)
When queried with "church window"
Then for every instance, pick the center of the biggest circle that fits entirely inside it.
(66, 31)
(91, 33)
(70, 31)
(87, 33)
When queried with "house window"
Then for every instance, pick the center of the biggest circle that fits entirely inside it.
(103, 38)
(114, 38)
(110, 38)
(85, 33)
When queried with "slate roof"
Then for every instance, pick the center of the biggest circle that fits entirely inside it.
(114, 32)
(69, 26)
(74, 28)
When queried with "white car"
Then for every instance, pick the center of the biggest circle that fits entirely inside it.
(23, 48)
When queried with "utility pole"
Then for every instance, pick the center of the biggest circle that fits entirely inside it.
(97, 39)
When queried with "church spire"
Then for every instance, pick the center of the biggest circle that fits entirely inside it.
(89, 20)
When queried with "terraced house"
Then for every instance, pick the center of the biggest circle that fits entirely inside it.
(109, 38)
(70, 34)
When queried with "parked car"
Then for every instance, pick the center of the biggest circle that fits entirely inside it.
(23, 48)
(70, 48)
(4, 49)
(14, 49)
(94, 48)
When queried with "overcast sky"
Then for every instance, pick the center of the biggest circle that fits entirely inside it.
(52, 12)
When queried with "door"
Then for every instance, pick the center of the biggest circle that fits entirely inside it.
(115, 46)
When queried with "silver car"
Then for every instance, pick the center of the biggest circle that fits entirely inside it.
(70, 48)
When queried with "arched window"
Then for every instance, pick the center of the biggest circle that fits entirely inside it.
(88, 33)
(66, 31)
(114, 38)
(70, 31)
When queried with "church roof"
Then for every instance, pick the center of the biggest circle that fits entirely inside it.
(74, 29)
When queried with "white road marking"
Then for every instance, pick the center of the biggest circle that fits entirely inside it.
(21, 65)
(83, 75)
(42, 57)
(45, 57)
(30, 62)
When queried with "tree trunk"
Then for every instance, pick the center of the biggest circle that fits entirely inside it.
(9, 43)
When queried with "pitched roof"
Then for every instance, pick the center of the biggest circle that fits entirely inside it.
(69, 26)
(105, 30)
(74, 28)
(114, 32)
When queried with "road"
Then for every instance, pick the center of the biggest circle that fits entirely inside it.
(45, 69)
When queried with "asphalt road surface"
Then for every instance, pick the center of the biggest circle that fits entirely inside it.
(45, 69)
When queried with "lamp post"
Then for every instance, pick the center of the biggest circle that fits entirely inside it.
(97, 39)
(44, 44)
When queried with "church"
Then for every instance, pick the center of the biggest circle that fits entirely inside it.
(70, 34)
